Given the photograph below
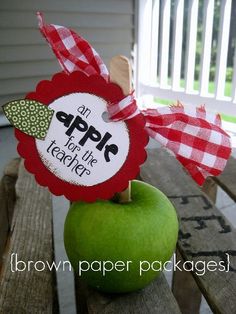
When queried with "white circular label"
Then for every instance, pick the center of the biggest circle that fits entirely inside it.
(81, 147)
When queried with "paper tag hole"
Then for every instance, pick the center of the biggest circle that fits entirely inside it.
(105, 117)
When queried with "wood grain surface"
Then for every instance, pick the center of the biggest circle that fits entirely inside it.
(205, 234)
(7, 202)
(156, 298)
(29, 291)
(227, 180)
(120, 74)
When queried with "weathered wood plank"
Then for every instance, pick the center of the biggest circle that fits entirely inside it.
(7, 202)
(205, 234)
(4, 224)
(155, 298)
(184, 287)
(121, 74)
(210, 189)
(185, 290)
(29, 290)
(227, 180)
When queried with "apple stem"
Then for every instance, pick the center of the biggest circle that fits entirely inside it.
(125, 196)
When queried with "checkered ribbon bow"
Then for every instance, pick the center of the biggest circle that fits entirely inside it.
(195, 137)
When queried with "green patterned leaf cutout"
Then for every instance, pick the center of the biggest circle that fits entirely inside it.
(29, 116)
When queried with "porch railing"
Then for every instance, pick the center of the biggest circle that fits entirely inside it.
(168, 35)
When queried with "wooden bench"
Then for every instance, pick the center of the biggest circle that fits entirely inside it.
(227, 179)
(205, 234)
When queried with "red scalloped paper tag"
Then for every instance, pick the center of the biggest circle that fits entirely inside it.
(84, 155)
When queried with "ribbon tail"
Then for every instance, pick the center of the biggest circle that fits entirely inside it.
(198, 174)
(73, 52)
(195, 137)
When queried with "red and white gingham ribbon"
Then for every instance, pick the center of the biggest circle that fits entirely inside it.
(195, 137)
(73, 52)
(123, 110)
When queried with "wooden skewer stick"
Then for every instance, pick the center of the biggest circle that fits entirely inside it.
(120, 73)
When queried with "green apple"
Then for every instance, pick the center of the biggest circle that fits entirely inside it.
(118, 247)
